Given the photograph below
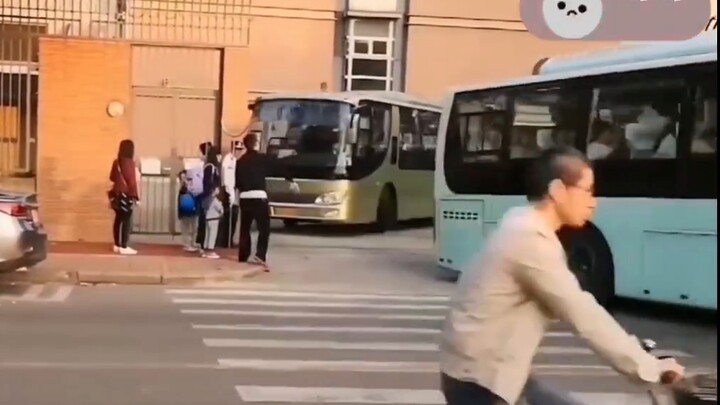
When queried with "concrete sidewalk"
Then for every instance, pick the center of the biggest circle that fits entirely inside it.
(91, 263)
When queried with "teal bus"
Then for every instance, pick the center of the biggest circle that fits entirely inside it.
(646, 116)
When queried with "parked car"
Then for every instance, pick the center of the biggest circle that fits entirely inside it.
(23, 241)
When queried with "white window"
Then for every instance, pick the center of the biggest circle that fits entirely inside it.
(369, 57)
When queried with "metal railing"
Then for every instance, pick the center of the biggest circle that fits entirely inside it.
(157, 212)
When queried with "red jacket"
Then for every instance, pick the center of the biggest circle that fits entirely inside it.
(126, 184)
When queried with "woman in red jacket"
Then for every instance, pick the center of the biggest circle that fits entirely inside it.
(123, 195)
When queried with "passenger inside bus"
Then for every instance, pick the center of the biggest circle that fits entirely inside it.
(705, 137)
(606, 141)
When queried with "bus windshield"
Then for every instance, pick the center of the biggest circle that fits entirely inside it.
(306, 135)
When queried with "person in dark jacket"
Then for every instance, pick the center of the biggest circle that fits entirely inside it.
(123, 196)
(250, 173)
(211, 182)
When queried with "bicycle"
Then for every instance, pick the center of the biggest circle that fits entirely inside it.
(698, 389)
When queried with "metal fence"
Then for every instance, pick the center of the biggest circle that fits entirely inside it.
(211, 23)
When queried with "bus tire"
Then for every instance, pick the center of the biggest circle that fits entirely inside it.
(387, 211)
(590, 259)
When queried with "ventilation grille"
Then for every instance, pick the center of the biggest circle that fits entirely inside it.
(461, 215)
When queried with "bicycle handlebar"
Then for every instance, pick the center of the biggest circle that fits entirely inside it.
(667, 377)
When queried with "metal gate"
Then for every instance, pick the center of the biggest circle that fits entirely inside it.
(18, 104)
(175, 108)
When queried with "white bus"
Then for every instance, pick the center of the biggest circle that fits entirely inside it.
(647, 118)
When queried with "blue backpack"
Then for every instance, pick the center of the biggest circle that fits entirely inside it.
(186, 205)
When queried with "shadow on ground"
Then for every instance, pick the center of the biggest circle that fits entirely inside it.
(339, 231)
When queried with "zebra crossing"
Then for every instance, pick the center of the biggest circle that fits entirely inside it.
(294, 347)
(34, 293)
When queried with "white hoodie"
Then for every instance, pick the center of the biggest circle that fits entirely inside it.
(228, 176)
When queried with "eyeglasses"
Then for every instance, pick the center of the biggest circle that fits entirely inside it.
(589, 190)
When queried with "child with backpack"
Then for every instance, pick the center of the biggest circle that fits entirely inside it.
(214, 210)
(187, 213)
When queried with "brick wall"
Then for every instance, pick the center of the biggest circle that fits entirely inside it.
(77, 138)
(235, 86)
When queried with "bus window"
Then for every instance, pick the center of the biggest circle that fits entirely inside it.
(418, 132)
(635, 124)
(704, 141)
(701, 178)
(636, 120)
(477, 126)
(544, 119)
(372, 140)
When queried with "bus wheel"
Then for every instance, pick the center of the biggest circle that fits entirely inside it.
(290, 223)
(387, 216)
(590, 259)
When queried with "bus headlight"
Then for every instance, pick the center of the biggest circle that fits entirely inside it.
(331, 198)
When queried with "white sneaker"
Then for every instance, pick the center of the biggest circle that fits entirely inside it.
(211, 255)
(128, 251)
(116, 249)
(191, 249)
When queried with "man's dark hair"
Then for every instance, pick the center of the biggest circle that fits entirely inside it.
(250, 140)
(560, 163)
(204, 147)
(211, 156)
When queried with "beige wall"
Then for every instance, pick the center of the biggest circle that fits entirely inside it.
(475, 42)
(292, 44)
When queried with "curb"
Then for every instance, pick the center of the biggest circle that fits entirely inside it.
(74, 277)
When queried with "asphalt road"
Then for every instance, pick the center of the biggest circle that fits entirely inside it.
(343, 319)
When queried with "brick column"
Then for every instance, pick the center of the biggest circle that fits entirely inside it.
(77, 139)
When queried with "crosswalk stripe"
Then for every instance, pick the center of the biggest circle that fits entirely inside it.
(361, 366)
(410, 367)
(328, 395)
(282, 314)
(330, 329)
(333, 395)
(370, 346)
(340, 329)
(306, 304)
(298, 294)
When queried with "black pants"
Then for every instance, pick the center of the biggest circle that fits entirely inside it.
(466, 393)
(228, 224)
(258, 210)
(200, 236)
(121, 228)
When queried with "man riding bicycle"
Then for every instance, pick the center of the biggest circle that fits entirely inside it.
(518, 285)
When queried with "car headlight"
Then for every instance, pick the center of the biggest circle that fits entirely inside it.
(331, 198)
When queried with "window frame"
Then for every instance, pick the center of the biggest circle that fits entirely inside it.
(351, 55)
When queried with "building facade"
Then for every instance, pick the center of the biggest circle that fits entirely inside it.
(77, 77)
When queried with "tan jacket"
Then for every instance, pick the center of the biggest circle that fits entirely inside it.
(506, 300)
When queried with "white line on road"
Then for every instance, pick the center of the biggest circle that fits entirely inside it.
(281, 314)
(326, 395)
(340, 329)
(298, 294)
(62, 293)
(320, 344)
(393, 366)
(370, 346)
(331, 329)
(330, 395)
(306, 304)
